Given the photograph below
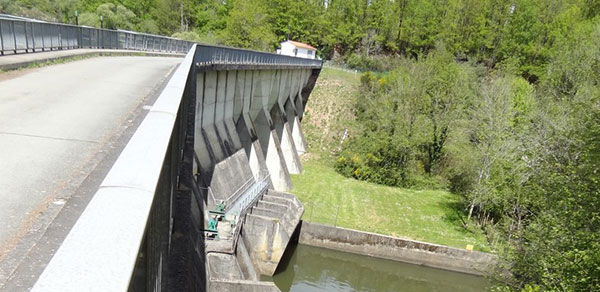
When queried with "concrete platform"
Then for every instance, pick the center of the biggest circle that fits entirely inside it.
(61, 127)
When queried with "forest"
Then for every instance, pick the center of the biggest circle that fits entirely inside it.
(497, 101)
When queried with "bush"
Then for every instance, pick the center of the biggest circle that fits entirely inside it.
(374, 159)
(377, 63)
(187, 35)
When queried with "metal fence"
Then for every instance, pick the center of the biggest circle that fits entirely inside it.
(211, 57)
(249, 195)
(20, 35)
(324, 213)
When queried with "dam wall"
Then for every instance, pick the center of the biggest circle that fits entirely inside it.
(197, 199)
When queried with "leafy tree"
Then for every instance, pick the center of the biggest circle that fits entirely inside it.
(416, 108)
(89, 19)
(212, 15)
(116, 16)
(248, 27)
(148, 26)
(187, 35)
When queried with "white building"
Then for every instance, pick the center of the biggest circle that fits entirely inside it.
(298, 49)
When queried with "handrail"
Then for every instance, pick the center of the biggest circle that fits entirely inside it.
(214, 56)
(233, 198)
(23, 35)
(248, 196)
(210, 193)
(239, 191)
(262, 186)
(243, 188)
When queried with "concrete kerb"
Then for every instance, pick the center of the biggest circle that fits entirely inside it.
(22, 61)
(242, 285)
(397, 249)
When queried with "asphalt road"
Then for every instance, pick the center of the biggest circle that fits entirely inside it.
(53, 122)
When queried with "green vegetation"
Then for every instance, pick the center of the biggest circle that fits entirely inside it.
(522, 155)
(367, 34)
(497, 101)
(329, 112)
(426, 215)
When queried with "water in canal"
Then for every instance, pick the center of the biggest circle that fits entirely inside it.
(312, 269)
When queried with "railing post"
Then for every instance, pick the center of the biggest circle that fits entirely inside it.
(51, 27)
(60, 39)
(26, 38)
(14, 36)
(33, 37)
(1, 41)
(42, 34)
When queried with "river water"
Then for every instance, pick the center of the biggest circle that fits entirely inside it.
(312, 269)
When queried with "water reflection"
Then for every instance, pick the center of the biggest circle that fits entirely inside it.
(311, 269)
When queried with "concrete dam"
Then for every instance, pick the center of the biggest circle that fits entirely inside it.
(197, 200)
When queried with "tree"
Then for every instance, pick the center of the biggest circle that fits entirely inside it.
(248, 27)
(116, 16)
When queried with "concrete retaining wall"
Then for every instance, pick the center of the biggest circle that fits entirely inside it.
(243, 285)
(398, 249)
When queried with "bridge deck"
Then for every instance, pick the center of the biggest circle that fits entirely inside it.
(57, 124)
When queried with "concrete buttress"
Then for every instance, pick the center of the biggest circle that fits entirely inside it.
(262, 101)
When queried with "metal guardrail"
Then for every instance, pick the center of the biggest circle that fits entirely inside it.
(242, 190)
(218, 57)
(21, 35)
(248, 196)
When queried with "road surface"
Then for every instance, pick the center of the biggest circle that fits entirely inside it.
(54, 122)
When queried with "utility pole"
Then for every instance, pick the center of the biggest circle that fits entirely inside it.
(76, 17)
(101, 21)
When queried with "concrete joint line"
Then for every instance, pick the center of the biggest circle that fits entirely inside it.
(48, 137)
(174, 115)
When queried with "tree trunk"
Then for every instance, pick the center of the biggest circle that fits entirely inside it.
(471, 210)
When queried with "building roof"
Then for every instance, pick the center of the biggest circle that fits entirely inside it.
(302, 45)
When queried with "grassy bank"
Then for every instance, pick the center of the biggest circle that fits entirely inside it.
(427, 215)
(329, 111)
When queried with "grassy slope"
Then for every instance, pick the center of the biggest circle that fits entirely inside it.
(333, 199)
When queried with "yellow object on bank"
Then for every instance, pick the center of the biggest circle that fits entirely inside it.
(469, 247)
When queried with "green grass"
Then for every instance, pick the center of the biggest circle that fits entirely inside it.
(428, 215)
(329, 111)
(345, 75)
